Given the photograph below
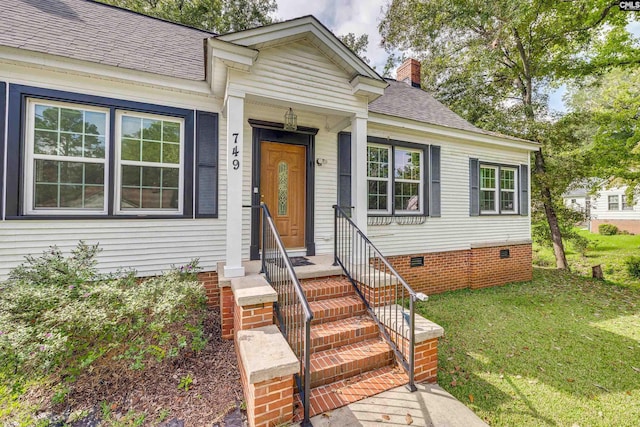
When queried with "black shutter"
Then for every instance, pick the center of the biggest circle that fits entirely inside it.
(3, 103)
(524, 190)
(435, 181)
(344, 169)
(474, 187)
(206, 165)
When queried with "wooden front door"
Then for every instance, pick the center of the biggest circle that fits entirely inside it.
(282, 188)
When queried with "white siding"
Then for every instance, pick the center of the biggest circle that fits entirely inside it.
(455, 229)
(295, 75)
(600, 205)
(298, 73)
(149, 246)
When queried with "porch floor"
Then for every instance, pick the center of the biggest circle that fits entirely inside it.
(322, 267)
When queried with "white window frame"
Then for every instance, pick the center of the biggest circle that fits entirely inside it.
(496, 190)
(388, 180)
(30, 157)
(514, 190)
(118, 163)
(624, 205)
(420, 181)
(617, 196)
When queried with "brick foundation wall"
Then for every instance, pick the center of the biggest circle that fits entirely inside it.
(227, 305)
(629, 225)
(442, 271)
(209, 280)
(474, 268)
(488, 269)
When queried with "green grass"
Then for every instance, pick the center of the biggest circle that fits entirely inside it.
(608, 251)
(559, 351)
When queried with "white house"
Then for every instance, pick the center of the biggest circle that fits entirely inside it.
(157, 141)
(577, 199)
(151, 138)
(610, 205)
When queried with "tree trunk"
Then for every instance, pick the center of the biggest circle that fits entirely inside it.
(552, 218)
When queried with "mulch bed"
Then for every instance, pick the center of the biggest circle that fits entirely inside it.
(214, 392)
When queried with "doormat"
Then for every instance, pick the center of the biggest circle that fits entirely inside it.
(300, 261)
(296, 261)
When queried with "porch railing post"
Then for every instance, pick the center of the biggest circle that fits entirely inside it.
(264, 231)
(335, 235)
(412, 344)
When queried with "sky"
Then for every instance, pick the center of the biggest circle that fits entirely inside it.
(363, 16)
(342, 17)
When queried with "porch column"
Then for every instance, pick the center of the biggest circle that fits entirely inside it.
(359, 170)
(235, 121)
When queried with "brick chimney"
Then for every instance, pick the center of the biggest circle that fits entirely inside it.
(409, 72)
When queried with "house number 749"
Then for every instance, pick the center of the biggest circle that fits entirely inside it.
(235, 152)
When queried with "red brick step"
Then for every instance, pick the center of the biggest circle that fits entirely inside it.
(335, 309)
(341, 393)
(327, 288)
(326, 336)
(347, 361)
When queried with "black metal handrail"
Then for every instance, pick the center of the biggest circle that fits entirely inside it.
(292, 308)
(383, 291)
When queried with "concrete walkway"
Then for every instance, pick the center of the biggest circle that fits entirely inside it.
(430, 406)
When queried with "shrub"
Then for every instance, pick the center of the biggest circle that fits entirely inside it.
(59, 312)
(633, 266)
(608, 229)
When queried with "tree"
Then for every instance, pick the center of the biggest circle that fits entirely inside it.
(610, 109)
(220, 16)
(357, 44)
(493, 61)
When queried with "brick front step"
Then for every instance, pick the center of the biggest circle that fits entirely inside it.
(341, 393)
(336, 309)
(327, 288)
(326, 336)
(350, 360)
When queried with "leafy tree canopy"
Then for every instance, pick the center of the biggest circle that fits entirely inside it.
(610, 109)
(493, 61)
(220, 16)
(357, 44)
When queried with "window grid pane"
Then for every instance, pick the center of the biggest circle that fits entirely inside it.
(150, 163)
(71, 134)
(507, 190)
(613, 203)
(71, 185)
(488, 189)
(378, 174)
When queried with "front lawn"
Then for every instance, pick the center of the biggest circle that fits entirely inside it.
(607, 251)
(561, 350)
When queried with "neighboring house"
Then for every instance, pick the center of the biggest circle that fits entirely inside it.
(151, 138)
(577, 199)
(610, 205)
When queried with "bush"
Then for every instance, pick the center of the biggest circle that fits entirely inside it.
(608, 229)
(633, 266)
(59, 312)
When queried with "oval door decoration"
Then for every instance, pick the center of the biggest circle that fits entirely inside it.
(283, 188)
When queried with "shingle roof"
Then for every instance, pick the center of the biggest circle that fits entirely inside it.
(95, 32)
(405, 101)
